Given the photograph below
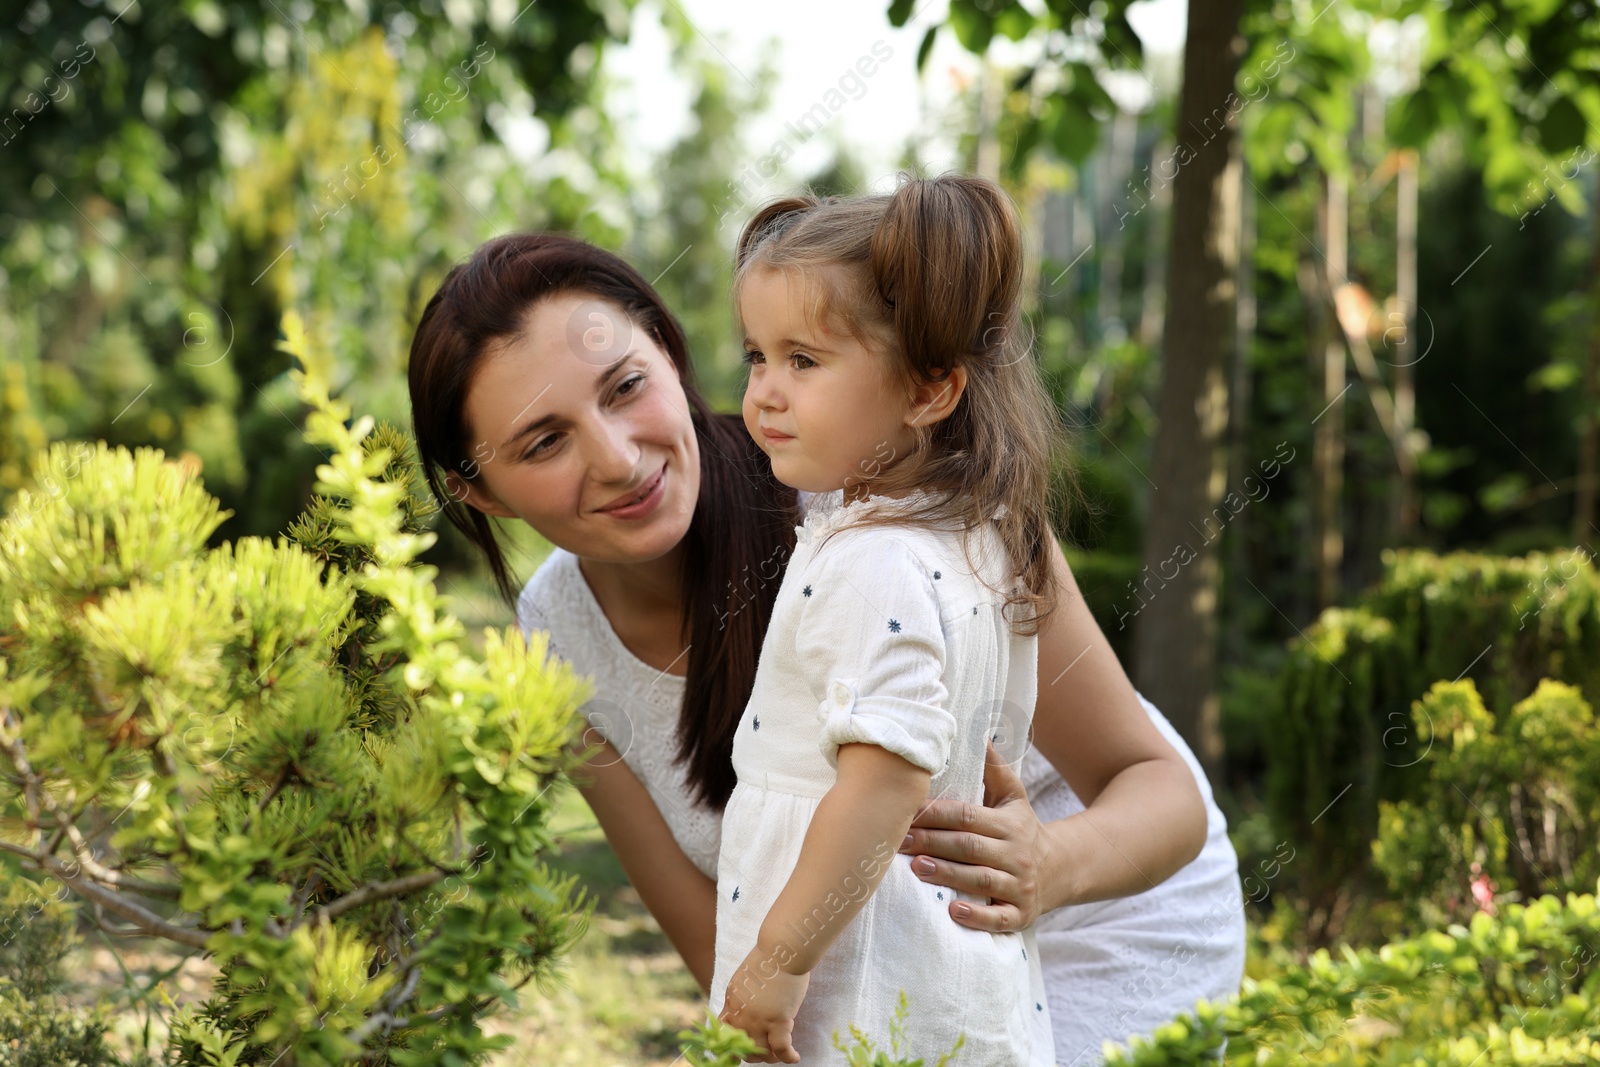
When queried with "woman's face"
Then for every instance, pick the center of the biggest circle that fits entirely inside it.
(570, 423)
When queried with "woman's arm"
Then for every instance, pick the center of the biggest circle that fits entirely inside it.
(1144, 817)
(683, 900)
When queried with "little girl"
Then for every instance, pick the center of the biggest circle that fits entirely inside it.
(888, 378)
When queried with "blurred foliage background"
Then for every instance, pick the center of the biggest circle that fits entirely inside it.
(1411, 379)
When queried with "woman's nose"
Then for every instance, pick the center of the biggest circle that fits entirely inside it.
(614, 453)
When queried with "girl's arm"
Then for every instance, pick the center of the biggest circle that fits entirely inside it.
(1144, 817)
(847, 849)
(683, 900)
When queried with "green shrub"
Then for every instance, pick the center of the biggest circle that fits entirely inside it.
(281, 754)
(43, 1031)
(1104, 579)
(36, 932)
(1519, 988)
(714, 1043)
(863, 1053)
(1339, 738)
(1510, 806)
(37, 1026)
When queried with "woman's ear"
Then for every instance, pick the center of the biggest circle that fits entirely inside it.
(475, 496)
(934, 401)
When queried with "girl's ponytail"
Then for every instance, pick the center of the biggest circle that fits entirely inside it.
(946, 257)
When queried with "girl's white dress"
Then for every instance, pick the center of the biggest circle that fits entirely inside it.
(888, 636)
(1112, 968)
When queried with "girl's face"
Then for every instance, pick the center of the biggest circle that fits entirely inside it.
(823, 406)
(572, 423)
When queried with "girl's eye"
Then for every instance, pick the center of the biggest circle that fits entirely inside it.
(752, 356)
(801, 355)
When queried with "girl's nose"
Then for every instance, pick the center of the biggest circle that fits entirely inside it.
(762, 390)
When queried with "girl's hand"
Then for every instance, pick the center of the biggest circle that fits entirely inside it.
(997, 851)
(765, 1007)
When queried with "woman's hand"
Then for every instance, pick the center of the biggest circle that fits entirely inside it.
(765, 1007)
(997, 851)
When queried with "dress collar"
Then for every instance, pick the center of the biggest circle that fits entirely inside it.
(826, 512)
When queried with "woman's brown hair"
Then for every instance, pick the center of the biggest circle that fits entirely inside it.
(929, 276)
(744, 517)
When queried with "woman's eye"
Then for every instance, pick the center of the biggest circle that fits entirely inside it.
(539, 447)
(627, 387)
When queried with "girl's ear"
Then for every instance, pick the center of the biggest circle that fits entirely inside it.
(475, 496)
(934, 401)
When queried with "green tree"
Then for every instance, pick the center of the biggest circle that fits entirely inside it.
(175, 175)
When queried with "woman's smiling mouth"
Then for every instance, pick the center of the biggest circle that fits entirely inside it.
(640, 502)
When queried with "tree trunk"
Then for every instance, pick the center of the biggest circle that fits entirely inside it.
(1407, 355)
(1154, 301)
(1588, 428)
(1245, 319)
(1328, 436)
(1113, 233)
(1175, 657)
(1232, 639)
(1320, 324)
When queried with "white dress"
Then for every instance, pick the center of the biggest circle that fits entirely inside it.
(884, 635)
(1112, 969)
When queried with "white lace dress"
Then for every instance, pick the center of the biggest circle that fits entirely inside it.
(1111, 969)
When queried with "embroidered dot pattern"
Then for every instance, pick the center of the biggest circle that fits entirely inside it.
(755, 722)
(894, 626)
(806, 591)
(735, 892)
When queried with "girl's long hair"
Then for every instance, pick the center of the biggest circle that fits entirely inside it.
(930, 275)
(743, 521)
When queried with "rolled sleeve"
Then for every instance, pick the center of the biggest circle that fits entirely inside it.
(872, 649)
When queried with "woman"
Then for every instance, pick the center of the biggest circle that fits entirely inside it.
(549, 384)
